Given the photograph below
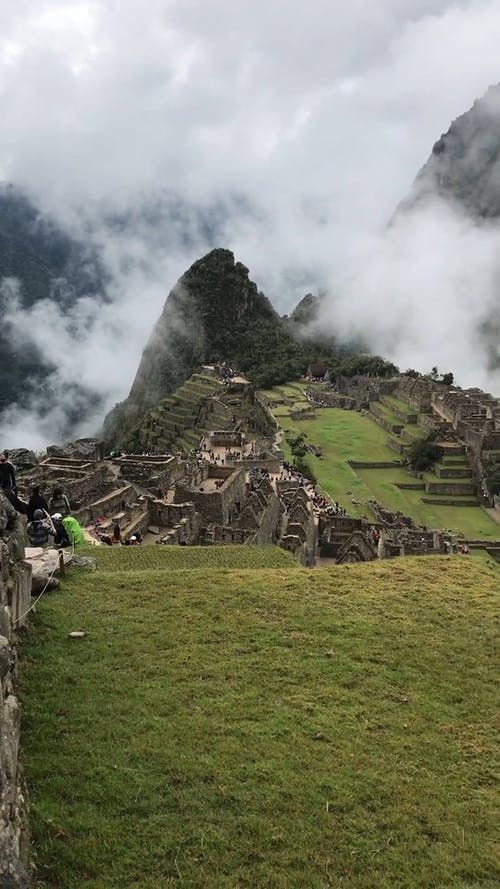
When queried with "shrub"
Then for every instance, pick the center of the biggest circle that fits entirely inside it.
(301, 465)
(422, 454)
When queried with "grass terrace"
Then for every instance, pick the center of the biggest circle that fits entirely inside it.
(348, 435)
(268, 728)
(165, 558)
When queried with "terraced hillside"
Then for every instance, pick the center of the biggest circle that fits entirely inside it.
(271, 727)
(179, 422)
(349, 439)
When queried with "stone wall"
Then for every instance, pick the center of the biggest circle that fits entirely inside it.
(225, 437)
(393, 428)
(80, 488)
(457, 489)
(152, 472)
(108, 505)
(452, 472)
(374, 464)
(15, 598)
(357, 548)
(181, 520)
(219, 507)
(269, 520)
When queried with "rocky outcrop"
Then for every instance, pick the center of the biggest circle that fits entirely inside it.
(82, 448)
(22, 458)
(464, 166)
(15, 597)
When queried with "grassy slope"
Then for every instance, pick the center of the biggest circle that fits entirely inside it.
(153, 557)
(265, 728)
(348, 435)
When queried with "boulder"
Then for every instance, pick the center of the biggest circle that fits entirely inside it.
(22, 458)
(82, 449)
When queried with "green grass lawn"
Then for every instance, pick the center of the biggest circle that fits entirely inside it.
(156, 557)
(342, 435)
(400, 405)
(348, 435)
(265, 728)
(415, 430)
(472, 521)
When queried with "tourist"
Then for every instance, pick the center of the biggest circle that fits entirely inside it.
(7, 476)
(8, 483)
(36, 501)
(61, 537)
(116, 537)
(59, 503)
(39, 529)
(73, 530)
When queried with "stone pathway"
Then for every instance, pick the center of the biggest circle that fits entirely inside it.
(493, 514)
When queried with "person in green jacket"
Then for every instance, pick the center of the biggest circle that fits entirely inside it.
(73, 530)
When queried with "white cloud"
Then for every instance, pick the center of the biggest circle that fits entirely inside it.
(316, 116)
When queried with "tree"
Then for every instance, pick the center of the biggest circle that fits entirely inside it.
(422, 454)
(447, 379)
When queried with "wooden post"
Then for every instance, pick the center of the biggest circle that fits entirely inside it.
(61, 563)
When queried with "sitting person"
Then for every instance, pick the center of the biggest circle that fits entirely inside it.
(73, 530)
(36, 502)
(68, 531)
(39, 529)
(60, 534)
(59, 503)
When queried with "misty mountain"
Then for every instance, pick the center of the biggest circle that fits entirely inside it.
(464, 166)
(214, 313)
(38, 261)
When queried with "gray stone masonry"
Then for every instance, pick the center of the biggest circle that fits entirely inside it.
(15, 598)
(221, 506)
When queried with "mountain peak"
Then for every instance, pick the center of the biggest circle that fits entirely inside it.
(464, 166)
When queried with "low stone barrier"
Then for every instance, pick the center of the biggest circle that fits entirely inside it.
(450, 472)
(456, 489)
(375, 464)
(410, 486)
(449, 502)
(393, 428)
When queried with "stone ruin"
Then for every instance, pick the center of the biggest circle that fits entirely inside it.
(347, 539)
(351, 393)
(174, 500)
(461, 418)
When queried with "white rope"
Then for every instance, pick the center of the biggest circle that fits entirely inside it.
(37, 598)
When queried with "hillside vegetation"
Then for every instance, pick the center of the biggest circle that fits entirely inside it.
(264, 728)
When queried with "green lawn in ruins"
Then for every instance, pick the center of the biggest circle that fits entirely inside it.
(349, 435)
(152, 557)
(268, 728)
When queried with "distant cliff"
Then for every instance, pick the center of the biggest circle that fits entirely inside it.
(464, 167)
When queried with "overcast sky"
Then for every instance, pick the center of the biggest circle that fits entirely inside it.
(307, 122)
